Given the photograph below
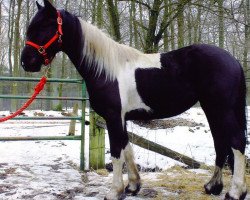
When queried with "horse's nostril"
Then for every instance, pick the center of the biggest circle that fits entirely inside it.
(33, 61)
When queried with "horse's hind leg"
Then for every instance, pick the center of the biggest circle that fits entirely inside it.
(238, 188)
(228, 136)
(221, 143)
(134, 182)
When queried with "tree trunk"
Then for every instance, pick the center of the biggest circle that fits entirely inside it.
(11, 33)
(93, 19)
(48, 90)
(59, 107)
(221, 23)
(189, 24)
(135, 27)
(197, 25)
(180, 23)
(114, 19)
(131, 18)
(80, 8)
(142, 31)
(14, 102)
(150, 46)
(166, 34)
(172, 31)
(1, 66)
(99, 13)
(1, 42)
(28, 84)
(247, 37)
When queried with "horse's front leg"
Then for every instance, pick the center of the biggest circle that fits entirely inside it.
(118, 141)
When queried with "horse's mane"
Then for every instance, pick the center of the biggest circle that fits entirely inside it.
(107, 54)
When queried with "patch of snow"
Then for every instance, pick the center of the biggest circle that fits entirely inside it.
(50, 169)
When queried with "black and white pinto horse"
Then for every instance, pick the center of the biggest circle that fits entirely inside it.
(126, 84)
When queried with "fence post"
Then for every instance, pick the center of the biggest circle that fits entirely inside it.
(96, 143)
(72, 125)
(82, 154)
(82, 118)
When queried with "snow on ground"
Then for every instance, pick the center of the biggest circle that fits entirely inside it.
(195, 142)
(50, 169)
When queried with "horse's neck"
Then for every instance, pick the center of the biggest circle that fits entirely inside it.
(95, 55)
(104, 54)
(72, 39)
(73, 46)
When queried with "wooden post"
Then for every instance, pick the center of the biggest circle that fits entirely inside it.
(146, 144)
(82, 152)
(96, 143)
(72, 126)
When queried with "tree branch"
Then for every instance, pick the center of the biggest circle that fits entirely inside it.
(164, 26)
(139, 2)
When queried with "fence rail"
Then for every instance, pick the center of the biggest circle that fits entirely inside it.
(43, 98)
(47, 118)
(82, 99)
(51, 80)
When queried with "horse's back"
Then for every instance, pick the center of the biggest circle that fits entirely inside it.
(212, 71)
(202, 73)
(217, 75)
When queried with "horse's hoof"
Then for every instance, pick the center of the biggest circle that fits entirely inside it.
(242, 197)
(133, 192)
(215, 189)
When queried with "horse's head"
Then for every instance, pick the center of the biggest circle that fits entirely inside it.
(43, 38)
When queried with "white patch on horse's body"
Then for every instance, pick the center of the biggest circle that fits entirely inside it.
(238, 186)
(130, 99)
(119, 62)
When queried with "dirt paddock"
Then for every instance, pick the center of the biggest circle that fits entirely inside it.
(49, 170)
(175, 183)
(63, 180)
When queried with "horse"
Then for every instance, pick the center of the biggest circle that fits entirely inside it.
(125, 84)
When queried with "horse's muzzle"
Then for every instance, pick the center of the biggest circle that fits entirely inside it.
(30, 60)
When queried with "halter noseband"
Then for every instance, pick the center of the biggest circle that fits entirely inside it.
(57, 36)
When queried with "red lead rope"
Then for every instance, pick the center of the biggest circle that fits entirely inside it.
(39, 87)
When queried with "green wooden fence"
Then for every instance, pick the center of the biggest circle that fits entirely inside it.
(82, 99)
(96, 129)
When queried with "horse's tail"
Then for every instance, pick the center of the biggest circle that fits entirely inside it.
(241, 115)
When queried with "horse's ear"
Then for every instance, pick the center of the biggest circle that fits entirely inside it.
(49, 6)
(38, 6)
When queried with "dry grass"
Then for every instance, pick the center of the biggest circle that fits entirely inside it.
(102, 172)
(187, 185)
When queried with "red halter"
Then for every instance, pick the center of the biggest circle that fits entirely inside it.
(57, 36)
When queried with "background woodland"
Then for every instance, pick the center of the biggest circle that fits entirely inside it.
(148, 25)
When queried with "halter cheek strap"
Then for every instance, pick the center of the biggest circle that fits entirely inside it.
(56, 37)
